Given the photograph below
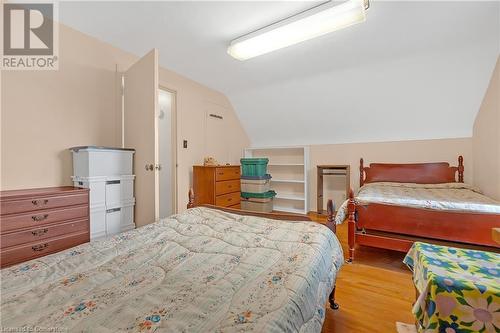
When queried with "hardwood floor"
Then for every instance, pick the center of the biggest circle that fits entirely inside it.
(373, 292)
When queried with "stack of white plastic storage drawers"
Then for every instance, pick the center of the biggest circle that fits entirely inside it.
(107, 172)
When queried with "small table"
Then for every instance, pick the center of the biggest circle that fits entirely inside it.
(457, 288)
(328, 170)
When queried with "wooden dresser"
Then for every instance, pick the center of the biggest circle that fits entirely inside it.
(218, 185)
(36, 222)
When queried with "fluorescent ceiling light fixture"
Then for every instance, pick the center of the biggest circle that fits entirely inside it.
(309, 24)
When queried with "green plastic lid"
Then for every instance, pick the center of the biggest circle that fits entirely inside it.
(254, 160)
(265, 195)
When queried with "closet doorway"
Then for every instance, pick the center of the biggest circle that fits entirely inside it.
(167, 156)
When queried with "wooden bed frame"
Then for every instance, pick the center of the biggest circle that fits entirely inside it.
(330, 223)
(397, 227)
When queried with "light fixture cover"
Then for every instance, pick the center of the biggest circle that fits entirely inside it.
(307, 25)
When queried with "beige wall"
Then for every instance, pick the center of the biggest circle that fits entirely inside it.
(486, 139)
(446, 150)
(194, 101)
(46, 112)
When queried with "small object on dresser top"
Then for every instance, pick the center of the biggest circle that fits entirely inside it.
(210, 161)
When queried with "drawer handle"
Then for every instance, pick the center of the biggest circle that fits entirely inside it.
(41, 247)
(113, 210)
(230, 186)
(230, 199)
(110, 182)
(38, 218)
(220, 173)
(39, 202)
(39, 232)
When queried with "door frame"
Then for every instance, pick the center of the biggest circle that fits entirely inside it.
(174, 146)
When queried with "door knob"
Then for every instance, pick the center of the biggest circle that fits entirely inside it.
(150, 167)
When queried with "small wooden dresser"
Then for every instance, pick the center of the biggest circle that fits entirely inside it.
(217, 185)
(36, 222)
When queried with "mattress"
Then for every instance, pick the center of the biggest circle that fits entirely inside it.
(445, 197)
(200, 271)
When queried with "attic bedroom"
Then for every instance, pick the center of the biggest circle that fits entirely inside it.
(250, 166)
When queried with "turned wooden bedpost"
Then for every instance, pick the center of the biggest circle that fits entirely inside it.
(351, 225)
(330, 218)
(460, 169)
(331, 300)
(191, 199)
(330, 223)
(361, 172)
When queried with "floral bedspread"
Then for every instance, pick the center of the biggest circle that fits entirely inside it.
(199, 271)
(459, 289)
(447, 196)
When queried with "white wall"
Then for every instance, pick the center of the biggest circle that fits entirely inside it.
(426, 96)
(486, 139)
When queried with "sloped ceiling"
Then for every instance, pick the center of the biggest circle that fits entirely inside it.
(413, 70)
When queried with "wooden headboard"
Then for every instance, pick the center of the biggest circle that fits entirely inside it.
(420, 173)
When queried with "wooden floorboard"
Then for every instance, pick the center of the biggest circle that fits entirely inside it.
(373, 292)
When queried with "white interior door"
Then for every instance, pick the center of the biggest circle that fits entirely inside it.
(141, 133)
(166, 145)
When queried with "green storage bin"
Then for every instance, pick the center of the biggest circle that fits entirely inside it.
(265, 195)
(254, 166)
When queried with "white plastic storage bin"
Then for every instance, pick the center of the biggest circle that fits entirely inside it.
(98, 222)
(106, 194)
(257, 205)
(119, 189)
(119, 219)
(97, 186)
(92, 161)
(256, 184)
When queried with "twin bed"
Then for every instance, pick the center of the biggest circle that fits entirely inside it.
(398, 204)
(204, 270)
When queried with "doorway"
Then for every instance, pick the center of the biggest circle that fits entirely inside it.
(167, 153)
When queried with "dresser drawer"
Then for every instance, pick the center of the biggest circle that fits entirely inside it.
(41, 233)
(34, 204)
(227, 186)
(37, 219)
(17, 254)
(227, 173)
(227, 200)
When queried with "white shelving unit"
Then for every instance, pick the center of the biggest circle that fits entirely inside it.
(289, 168)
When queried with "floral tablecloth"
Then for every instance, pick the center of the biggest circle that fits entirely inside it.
(459, 289)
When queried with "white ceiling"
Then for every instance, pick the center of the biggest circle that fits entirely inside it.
(413, 70)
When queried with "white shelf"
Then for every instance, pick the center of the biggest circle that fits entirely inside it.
(289, 167)
(290, 197)
(287, 181)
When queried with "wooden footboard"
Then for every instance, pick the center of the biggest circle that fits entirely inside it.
(330, 223)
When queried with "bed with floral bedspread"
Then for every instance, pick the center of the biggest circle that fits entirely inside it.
(457, 197)
(200, 271)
